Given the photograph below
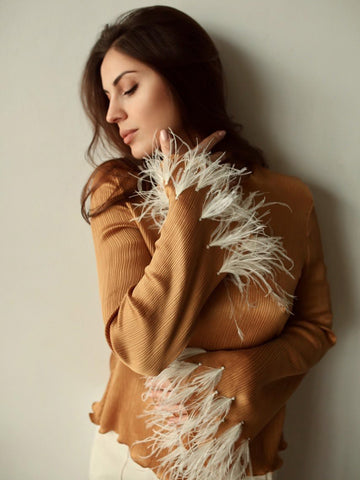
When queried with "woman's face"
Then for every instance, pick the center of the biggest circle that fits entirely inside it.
(140, 100)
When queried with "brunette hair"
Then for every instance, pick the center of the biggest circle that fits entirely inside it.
(179, 49)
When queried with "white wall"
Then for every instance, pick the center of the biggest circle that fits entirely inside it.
(293, 76)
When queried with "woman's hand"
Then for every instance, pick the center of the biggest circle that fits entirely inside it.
(166, 147)
(204, 146)
(179, 410)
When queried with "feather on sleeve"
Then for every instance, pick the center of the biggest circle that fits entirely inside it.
(231, 395)
(150, 304)
(242, 390)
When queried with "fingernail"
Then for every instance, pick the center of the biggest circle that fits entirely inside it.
(164, 135)
(222, 133)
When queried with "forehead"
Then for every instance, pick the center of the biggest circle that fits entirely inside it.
(115, 62)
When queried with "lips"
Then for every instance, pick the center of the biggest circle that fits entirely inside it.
(127, 135)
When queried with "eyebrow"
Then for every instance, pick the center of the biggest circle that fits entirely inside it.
(119, 77)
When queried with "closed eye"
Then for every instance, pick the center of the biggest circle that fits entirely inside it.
(131, 91)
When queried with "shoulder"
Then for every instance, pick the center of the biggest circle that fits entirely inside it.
(282, 187)
(109, 200)
(289, 198)
(109, 184)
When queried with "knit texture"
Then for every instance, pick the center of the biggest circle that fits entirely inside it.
(174, 273)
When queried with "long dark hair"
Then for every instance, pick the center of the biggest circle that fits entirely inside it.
(179, 49)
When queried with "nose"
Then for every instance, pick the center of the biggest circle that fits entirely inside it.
(114, 112)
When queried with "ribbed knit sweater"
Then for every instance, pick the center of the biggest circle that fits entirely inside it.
(233, 318)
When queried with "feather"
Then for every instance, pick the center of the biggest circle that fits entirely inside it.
(251, 254)
(189, 449)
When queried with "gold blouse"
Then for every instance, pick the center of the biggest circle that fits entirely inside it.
(223, 293)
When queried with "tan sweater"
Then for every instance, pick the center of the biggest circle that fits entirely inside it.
(259, 322)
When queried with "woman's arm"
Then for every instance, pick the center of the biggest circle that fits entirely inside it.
(262, 378)
(149, 303)
(229, 396)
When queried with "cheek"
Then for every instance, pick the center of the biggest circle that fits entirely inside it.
(160, 110)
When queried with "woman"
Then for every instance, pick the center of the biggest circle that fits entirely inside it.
(211, 273)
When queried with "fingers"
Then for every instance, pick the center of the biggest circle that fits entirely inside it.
(204, 146)
(165, 142)
(179, 413)
(156, 395)
(208, 142)
(158, 392)
(177, 419)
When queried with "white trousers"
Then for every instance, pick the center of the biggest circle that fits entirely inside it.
(110, 460)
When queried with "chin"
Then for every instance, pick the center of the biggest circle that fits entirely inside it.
(135, 152)
(139, 156)
(139, 153)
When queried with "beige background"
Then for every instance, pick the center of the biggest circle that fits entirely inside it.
(293, 75)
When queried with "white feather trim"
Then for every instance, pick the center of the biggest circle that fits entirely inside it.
(189, 448)
(251, 254)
